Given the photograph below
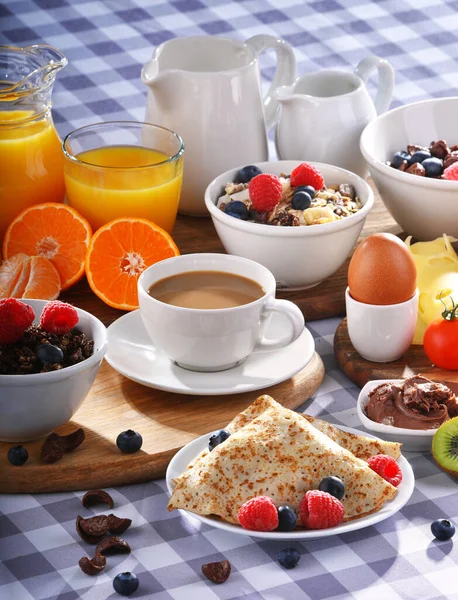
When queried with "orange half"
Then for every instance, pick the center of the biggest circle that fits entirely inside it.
(24, 276)
(54, 231)
(118, 254)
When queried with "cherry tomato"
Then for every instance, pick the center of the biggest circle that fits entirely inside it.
(441, 343)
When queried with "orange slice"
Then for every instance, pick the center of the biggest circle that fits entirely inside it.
(118, 254)
(54, 231)
(24, 276)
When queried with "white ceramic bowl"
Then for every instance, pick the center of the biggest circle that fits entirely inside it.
(424, 207)
(31, 406)
(298, 257)
(411, 439)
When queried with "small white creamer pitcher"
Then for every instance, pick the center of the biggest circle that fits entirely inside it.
(323, 114)
(207, 89)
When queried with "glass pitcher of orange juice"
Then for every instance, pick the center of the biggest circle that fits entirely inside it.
(31, 159)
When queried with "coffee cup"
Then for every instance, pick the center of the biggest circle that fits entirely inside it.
(381, 333)
(214, 339)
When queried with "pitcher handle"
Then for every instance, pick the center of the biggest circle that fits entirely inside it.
(386, 80)
(285, 72)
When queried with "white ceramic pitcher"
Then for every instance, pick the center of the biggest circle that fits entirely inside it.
(207, 89)
(323, 114)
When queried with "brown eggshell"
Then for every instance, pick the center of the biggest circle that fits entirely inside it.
(382, 271)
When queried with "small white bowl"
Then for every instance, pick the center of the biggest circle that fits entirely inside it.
(299, 257)
(413, 440)
(424, 207)
(32, 406)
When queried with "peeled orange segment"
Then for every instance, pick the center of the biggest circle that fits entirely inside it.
(24, 276)
(53, 231)
(118, 254)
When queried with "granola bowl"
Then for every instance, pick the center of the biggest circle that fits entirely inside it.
(33, 405)
(424, 207)
(299, 257)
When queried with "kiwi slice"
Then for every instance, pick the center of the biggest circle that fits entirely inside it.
(445, 446)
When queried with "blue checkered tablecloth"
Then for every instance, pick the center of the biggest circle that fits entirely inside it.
(107, 42)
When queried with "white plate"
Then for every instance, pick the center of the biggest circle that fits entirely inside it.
(131, 353)
(181, 460)
(413, 440)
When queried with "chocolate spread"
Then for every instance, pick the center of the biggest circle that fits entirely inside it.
(418, 403)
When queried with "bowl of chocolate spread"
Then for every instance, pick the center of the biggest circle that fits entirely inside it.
(407, 410)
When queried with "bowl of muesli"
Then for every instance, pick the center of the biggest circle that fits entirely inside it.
(50, 354)
(300, 220)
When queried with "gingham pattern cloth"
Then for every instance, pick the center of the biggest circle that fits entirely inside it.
(106, 43)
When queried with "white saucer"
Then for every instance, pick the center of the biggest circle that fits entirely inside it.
(181, 460)
(131, 353)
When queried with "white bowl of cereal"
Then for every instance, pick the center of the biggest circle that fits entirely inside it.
(424, 206)
(38, 395)
(303, 255)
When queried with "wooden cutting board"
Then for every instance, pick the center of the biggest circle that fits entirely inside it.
(166, 422)
(360, 370)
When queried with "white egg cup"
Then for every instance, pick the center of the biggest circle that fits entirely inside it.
(381, 333)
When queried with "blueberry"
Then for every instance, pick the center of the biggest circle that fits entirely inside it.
(49, 354)
(125, 583)
(332, 485)
(217, 438)
(306, 188)
(301, 201)
(129, 441)
(17, 455)
(247, 173)
(419, 156)
(237, 209)
(398, 158)
(442, 529)
(288, 558)
(434, 167)
(287, 518)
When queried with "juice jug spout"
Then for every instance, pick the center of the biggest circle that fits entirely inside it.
(28, 74)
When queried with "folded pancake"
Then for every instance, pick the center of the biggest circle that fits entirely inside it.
(281, 455)
(361, 446)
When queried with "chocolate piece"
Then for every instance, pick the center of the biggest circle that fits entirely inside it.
(403, 166)
(93, 497)
(418, 404)
(74, 439)
(218, 572)
(416, 169)
(95, 526)
(53, 448)
(450, 160)
(439, 149)
(92, 566)
(85, 534)
(55, 445)
(113, 545)
(412, 148)
(118, 525)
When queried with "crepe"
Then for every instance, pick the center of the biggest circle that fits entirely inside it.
(361, 446)
(281, 455)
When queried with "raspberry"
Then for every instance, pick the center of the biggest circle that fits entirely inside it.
(258, 514)
(15, 317)
(58, 317)
(306, 174)
(320, 510)
(451, 172)
(265, 192)
(386, 467)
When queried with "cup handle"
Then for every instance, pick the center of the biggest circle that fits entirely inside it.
(386, 80)
(285, 72)
(295, 317)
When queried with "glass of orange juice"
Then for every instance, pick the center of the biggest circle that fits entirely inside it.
(124, 169)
